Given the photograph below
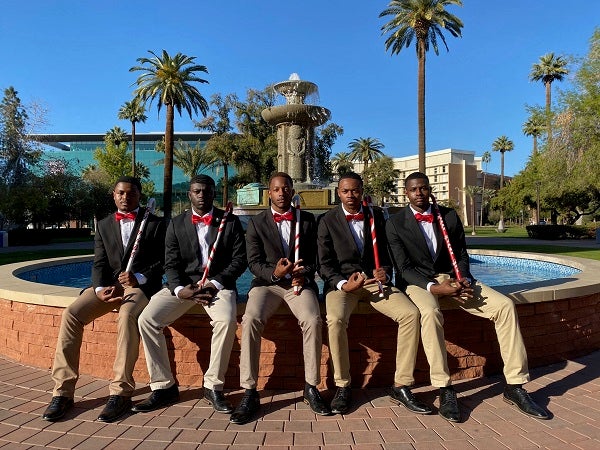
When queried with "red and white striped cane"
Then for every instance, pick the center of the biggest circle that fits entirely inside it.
(296, 203)
(211, 254)
(446, 237)
(367, 203)
(138, 237)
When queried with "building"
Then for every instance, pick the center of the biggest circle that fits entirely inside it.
(79, 150)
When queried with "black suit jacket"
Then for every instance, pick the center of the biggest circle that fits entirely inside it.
(338, 255)
(411, 256)
(183, 262)
(110, 258)
(265, 247)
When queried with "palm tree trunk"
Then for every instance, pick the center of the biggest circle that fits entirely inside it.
(548, 109)
(482, 201)
(168, 174)
(421, 104)
(225, 184)
(133, 148)
(535, 147)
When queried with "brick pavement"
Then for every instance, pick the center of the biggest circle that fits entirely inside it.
(570, 390)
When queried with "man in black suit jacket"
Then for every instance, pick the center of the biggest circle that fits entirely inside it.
(190, 236)
(112, 288)
(424, 269)
(347, 265)
(270, 240)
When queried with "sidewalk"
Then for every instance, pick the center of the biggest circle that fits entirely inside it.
(569, 390)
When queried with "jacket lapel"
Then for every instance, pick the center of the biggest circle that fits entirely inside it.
(413, 225)
(345, 229)
(190, 230)
(115, 229)
(274, 232)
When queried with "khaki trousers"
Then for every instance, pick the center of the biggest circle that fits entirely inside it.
(163, 309)
(396, 306)
(86, 308)
(486, 303)
(263, 302)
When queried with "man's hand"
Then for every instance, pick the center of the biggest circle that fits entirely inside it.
(128, 279)
(380, 275)
(111, 294)
(202, 295)
(355, 281)
(458, 290)
(284, 267)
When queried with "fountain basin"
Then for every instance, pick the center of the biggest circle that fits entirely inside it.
(307, 115)
(559, 319)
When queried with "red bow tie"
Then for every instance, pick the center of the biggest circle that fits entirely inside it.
(120, 216)
(206, 220)
(424, 217)
(281, 217)
(359, 216)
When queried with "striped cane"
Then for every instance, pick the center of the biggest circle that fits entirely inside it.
(211, 254)
(367, 203)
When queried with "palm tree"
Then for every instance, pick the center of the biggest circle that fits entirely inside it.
(533, 127)
(365, 150)
(170, 79)
(221, 151)
(502, 145)
(134, 111)
(486, 158)
(189, 159)
(472, 192)
(550, 68)
(342, 163)
(115, 135)
(422, 20)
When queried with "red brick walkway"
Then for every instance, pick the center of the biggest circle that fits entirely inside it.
(570, 390)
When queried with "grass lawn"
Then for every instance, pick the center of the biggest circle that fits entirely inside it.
(14, 257)
(511, 232)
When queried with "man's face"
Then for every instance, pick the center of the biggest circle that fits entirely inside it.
(201, 196)
(281, 193)
(126, 196)
(350, 192)
(418, 191)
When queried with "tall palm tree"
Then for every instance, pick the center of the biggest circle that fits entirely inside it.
(550, 68)
(422, 20)
(170, 80)
(533, 127)
(342, 163)
(116, 135)
(134, 111)
(365, 150)
(502, 145)
(486, 158)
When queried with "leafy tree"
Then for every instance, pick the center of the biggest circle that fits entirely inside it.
(342, 163)
(365, 150)
(422, 21)
(18, 153)
(170, 80)
(133, 111)
(381, 178)
(325, 137)
(550, 68)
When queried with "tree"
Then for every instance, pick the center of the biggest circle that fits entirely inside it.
(134, 111)
(423, 21)
(116, 136)
(502, 145)
(472, 192)
(342, 163)
(550, 68)
(170, 80)
(533, 127)
(365, 150)
(486, 158)
(18, 153)
(381, 178)
(325, 137)
(189, 159)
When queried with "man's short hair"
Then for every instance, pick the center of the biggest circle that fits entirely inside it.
(352, 176)
(416, 176)
(131, 180)
(202, 179)
(281, 175)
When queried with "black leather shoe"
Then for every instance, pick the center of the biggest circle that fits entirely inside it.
(313, 398)
(516, 395)
(218, 401)
(57, 408)
(403, 396)
(449, 404)
(115, 408)
(342, 401)
(159, 398)
(248, 407)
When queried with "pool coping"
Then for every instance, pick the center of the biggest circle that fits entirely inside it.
(583, 283)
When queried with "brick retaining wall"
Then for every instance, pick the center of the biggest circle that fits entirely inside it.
(553, 331)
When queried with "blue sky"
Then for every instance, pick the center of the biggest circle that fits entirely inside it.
(73, 57)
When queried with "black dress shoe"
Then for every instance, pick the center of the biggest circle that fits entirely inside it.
(248, 407)
(115, 408)
(516, 395)
(312, 398)
(341, 401)
(403, 396)
(159, 398)
(218, 401)
(449, 404)
(57, 408)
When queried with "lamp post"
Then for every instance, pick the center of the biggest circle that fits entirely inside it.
(537, 190)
